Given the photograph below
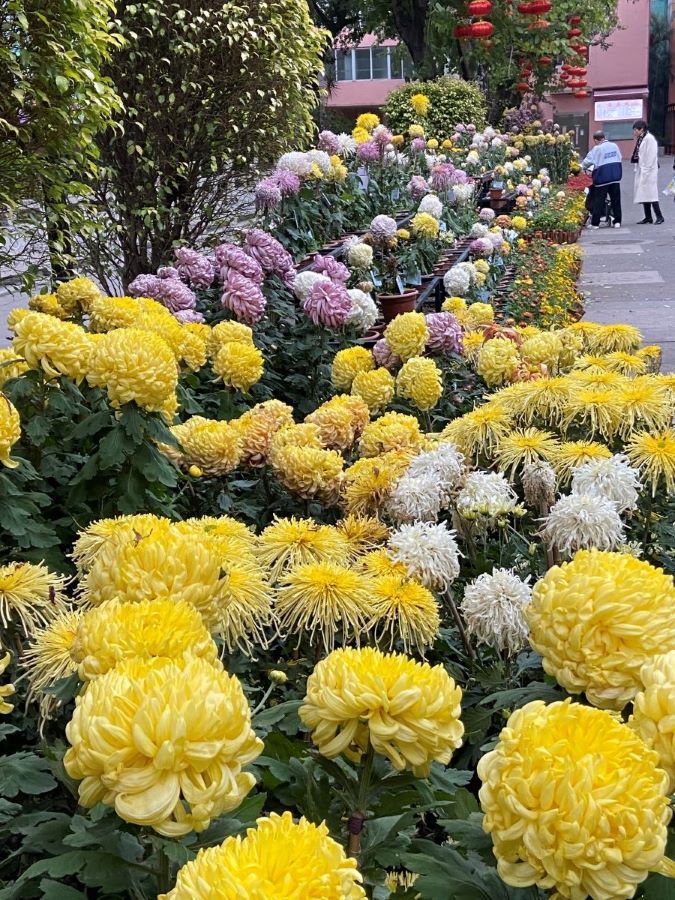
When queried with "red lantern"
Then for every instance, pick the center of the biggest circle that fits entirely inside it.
(462, 31)
(581, 94)
(479, 8)
(577, 70)
(523, 87)
(545, 60)
(482, 29)
(574, 33)
(581, 49)
(577, 83)
(534, 7)
(538, 24)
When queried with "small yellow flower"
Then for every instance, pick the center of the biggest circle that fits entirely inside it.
(416, 131)
(369, 121)
(432, 144)
(420, 104)
(654, 455)
(454, 304)
(519, 223)
(403, 234)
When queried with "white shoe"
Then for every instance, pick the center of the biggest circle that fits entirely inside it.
(617, 224)
(595, 227)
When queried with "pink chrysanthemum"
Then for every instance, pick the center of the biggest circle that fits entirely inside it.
(417, 187)
(194, 267)
(328, 304)
(383, 355)
(330, 267)
(329, 142)
(441, 176)
(267, 195)
(445, 333)
(368, 151)
(270, 254)
(229, 256)
(243, 297)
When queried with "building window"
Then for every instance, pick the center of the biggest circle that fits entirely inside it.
(372, 63)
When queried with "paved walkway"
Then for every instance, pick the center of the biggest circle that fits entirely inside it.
(629, 273)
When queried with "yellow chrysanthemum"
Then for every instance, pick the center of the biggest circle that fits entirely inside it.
(362, 533)
(287, 543)
(420, 103)
(483, 266)
(6, 690)
(597, 619)
(369, 481)
(49, 305)
(11, 365)
(519, 448)
(369, 121)
(193, 349)
(347, 364)
(403, 234)
(323, 599)
(309, 472)
(10, 431)
(115, 631)
(340, 421)
(543, 348)
(645, 403)
(596, 410)
(405, 611)
(278, 860)
(479, 431)
(59, 348)
(246, 613)
(473, 341)
(652, 356)
(407, 335)
(654, 456)
(572, 454)
(107, 313)
(240, 365)
(392, 431)
(481, 313)
(424, 225)
(212, 445)
(376, 388)
(454, 304)
(420, 381)
(596, 378)
(258, 426)
(654, 711)
(29, 595)
(612, 338)
(543, 398)
(134, 366)
(497, 362)
(360, 135)
(96, 535)
(629, 364)
(303, 435)
(163, 742)
(235, 533)
(48, 658)
(574, 802)
(78, 293)
(519, 223)
(379, 564)
(226, 333)
(407, 711)
(416, 131)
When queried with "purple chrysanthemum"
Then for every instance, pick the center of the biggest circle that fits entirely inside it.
(170, 292)
(328, 304)
(267, 195)
(442, 176)
(486, 214)
(243, 297)
(459, 176)
(287, 182)
(460, 128)
(383, 356)
(382, 136)
(144, 286)
(481, 247)
(417, 187)
(330, 267)
(445, 333)
(383, 228)
(167, 272)
(270, 254)
(471, 128)
(329, 142)
(418, 144)
(229, 256)
(189, 317)
(368, 151)
(194, 268)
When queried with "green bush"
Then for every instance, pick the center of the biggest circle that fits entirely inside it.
(452, 101)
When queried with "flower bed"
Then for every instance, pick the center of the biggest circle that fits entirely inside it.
(288, 614)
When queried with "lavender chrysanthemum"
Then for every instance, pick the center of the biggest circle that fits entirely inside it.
(194, 267)
(445, 333)
(418, 144)
(170, 292)
(368, 151)
(229, 256)
(329, 142)
(267, 195)
(287, 182)
(442, 176)
(273, 258)
(243, 297)
(189, 317)
(330, 267)
(383, 356)
(417, 187)
(482, 246)
(383, 228)
(486, 214)
(328, 304)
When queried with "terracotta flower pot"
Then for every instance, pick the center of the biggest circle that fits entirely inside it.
(393, 305)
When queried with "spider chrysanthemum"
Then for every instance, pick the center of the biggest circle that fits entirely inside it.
(582, 521)
(522, 447)
(571, 454)
(48, 657)
(493, 607)
(479, 432)
(654, 456)
(290, 542)
(29, 595)
(404, 611)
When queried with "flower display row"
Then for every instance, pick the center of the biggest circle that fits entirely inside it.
(301, 601)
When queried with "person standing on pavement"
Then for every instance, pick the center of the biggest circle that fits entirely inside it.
(646, 157)
(605, 159)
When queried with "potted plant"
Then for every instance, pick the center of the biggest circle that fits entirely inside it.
(390, 268)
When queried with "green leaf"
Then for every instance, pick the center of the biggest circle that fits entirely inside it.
(52, 890)
(24, 773)
(8, 810)
(274, 714)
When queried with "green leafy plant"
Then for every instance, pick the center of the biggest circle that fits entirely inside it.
(452, 101)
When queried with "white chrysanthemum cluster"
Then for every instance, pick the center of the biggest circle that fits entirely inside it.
(305, 281)
(456, 282)
(431, 205)
(478, 230)
(429, 551)
(581, 522)
(364, 312)
(360, 255)
(321, 159)
(493, 610)
(297, 162)
(613, 478)
(463, 193)
(486, 495)
(427, 485)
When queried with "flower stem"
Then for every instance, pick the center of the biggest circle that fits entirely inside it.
(358, 816)
(460, 627)
(164, 873)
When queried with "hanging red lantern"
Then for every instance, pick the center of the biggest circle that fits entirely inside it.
(482, 29)
(462, 31)
(523, 87)
(574, 33)
(538, 25)
(534, 7)
(577, 83)
(545, 60)
(577, 70)
(479, 8)
(581, 94)
(581, 49)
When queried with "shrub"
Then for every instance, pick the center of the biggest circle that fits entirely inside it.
(452, 101)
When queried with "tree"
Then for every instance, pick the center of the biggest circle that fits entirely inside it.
(212, 90)
(53, 101)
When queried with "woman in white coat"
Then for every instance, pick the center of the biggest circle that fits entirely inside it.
(646, 188)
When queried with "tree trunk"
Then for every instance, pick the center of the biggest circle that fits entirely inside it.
(410, 18)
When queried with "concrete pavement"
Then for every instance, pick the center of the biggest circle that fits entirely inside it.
(629, 273)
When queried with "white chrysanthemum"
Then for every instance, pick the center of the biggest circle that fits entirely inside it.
(581, 522)
(346, 144)
(305, 281)
(383, 228)
(539, 483)
(415, 498)
(364, 312)
(463, 193)
(496, 142)
(535, 184)
(321, 159)
(446, 464)
(297, 162)
(360, 255)
(612, 478)
(470, 270)
(456, 282)
(486, 494)
(432, 205)
(493, 610)
(429, 551)
(478, 230)
(472, 158)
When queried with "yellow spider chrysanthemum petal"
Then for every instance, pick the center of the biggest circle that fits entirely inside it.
(369, 481)
(287, 543)
(29, 595)
(6, 690)
(519, 448)
(404, 611)
(654, 456)
(572, 454)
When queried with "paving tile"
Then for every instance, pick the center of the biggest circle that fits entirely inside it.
(611, 249)
(641, 276)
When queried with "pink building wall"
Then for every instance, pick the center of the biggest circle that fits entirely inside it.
(360, 96)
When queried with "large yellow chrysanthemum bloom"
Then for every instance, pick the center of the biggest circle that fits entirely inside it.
(416, 131)
(597, 619)
(420, 103)
(407, 711)
(278, 860)
(654, 456)
(163, 742)
(240, 365)
(420, 381)
(543, 398)
(48, 304)
(115, 631)
(77, 294)
(97, 534)
(212, 445)
(405, 611)
(629, 364)
(473, 341)
(407, 335)
(369, 121)
(362, 533)
(10, 431)
(258, 426)
(645, 404)
(134, 365)
(224, 529)
(392, 431)
(287, 543)
(574, 802)
(107, 313)
(309, 472)
(376, 388)
(29, 595)
(11, 365)
(58, 348)
(340, 421)
(572, 454)
(519, 448)
(654, 711)
(610, 338)
(498, 361)
(543, 348)
(424, 225)
(481, 313)
(347, 364)
(596, 410)
(322, 599)
(479, 431)
(379, 564)
(368, 483)
(303, 435)
(6, 690)
(225, 333)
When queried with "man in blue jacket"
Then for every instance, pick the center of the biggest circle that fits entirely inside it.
(605, 159)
